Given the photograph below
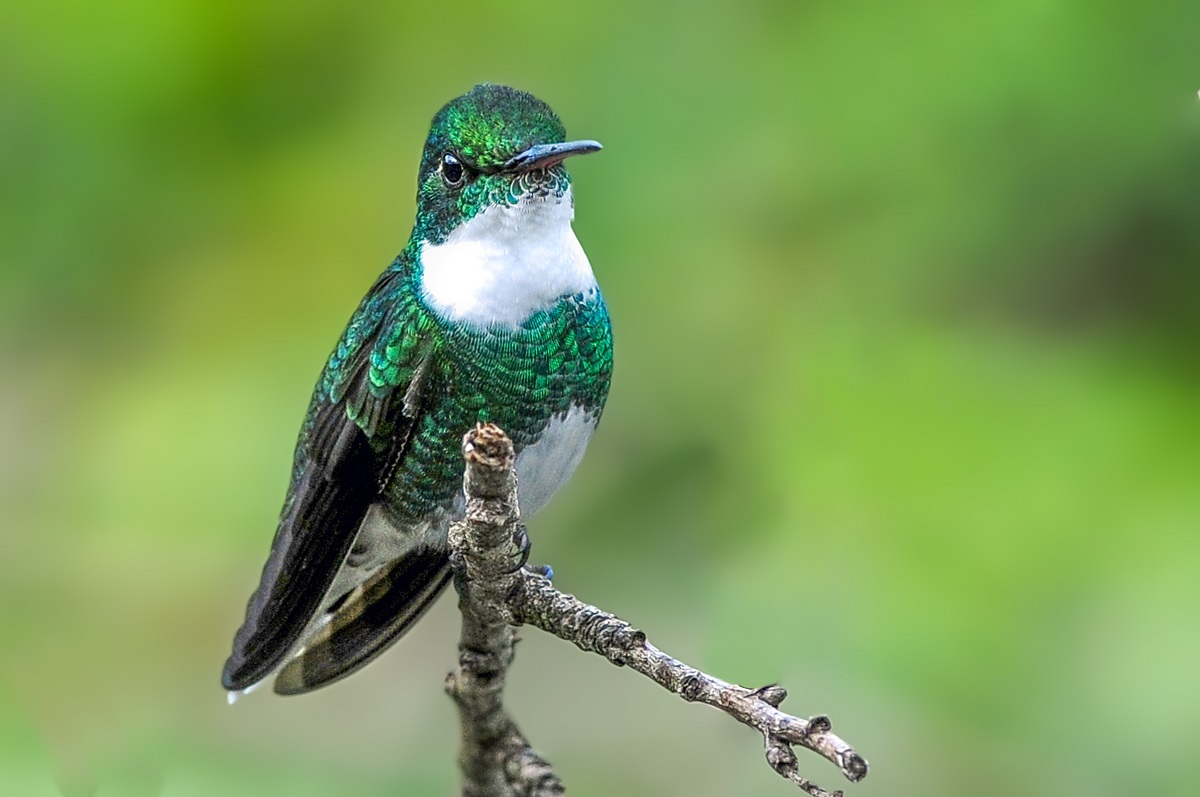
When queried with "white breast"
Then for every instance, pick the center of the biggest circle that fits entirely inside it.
(506, 263)
(547, 465)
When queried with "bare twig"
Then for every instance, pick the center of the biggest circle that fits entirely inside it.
(496, 592)
(598, 631)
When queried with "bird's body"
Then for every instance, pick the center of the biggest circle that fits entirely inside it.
(491, 313)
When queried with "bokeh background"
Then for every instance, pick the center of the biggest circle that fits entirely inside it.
(905, 412)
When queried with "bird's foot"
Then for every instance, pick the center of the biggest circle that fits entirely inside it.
(520, 538)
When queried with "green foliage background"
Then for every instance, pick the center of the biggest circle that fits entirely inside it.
(904, 415)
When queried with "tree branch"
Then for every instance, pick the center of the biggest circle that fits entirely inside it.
(497, 592)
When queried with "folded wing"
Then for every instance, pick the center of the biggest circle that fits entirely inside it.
(357, 429)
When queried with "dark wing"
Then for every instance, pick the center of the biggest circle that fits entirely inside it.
(357, 427)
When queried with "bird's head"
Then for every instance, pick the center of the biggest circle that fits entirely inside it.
(492, 148)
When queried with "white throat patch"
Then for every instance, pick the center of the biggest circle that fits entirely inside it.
(506, 263)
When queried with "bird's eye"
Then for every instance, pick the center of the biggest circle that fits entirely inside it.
(452, 171)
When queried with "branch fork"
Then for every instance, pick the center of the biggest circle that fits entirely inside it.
(497, 591)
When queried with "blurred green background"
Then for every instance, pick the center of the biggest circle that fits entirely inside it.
(904, 417)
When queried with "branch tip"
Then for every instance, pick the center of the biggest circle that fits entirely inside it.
(488, 445)
(855, 767)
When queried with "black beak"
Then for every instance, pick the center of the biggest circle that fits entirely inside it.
(543, 156)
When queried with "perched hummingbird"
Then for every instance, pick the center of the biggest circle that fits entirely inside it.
(491, 313)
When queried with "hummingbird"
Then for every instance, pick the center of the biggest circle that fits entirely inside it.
(490, 313)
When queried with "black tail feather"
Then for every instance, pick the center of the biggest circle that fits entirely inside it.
(367, 623)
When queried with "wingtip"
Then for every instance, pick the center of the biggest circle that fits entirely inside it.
(236, 681)
(234, 695)
(231, 679)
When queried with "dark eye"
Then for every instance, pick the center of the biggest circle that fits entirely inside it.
(452, 171)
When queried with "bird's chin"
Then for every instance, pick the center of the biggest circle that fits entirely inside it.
(542, 185)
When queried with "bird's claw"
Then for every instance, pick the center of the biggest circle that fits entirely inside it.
(520, 538)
